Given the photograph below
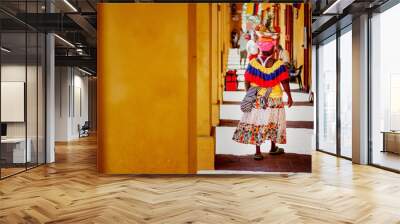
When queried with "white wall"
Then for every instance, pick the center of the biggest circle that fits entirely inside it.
(12, 73)
(34, 126)
(71, 94)
(62, 82)
(81, 85)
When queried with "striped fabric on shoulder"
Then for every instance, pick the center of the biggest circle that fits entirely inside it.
(266, 77)
(247, 103)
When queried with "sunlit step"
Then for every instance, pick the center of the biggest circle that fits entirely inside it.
(298, 141)
(239, 95)
(240, 78)
(239, 71)
(237, 67)
(241, 85)
(295, 113)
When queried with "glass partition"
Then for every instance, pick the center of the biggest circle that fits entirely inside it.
(385, 89)
(41, 87)
(22, 88)
(327, 96)
(346, 93)
(14, 145)
(32, 94)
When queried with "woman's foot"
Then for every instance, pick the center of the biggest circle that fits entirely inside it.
(258, 156)
(276, 151)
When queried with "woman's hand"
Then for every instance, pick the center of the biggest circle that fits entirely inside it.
(290, 101)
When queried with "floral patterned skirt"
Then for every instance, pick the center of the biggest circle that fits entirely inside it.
(266, 121)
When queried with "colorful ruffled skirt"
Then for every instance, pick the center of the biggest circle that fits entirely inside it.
(266, 121)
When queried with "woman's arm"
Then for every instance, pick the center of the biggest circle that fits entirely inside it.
(286, 87)
(246, 85)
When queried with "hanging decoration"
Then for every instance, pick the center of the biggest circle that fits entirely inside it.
(249, 8)
(297, 6)
(255, 11)
(244, 17)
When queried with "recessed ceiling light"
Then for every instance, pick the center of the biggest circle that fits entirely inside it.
(84, 71)
(70, 5)
(5, 50)
(337, 7)
(64, 40)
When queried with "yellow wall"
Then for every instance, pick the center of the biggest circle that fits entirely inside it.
(237, 25)
(213, 43)
(215, 65)
(298, 37)
(144, 88)
(282, 25)
(159, 66)
(205, 142)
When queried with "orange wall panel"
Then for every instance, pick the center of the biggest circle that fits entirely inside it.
(144, 89)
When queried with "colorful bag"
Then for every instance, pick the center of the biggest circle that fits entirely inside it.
(251, 95)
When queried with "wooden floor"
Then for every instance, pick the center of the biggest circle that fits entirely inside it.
(5, 172)
(71, 191)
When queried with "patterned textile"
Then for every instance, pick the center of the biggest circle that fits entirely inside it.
(252, 56)
(247, 103)
(266, 77)
(266, 121)
(276, 90)
(251, 95)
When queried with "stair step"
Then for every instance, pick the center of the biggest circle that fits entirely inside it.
(298, 113)
(293, 90)
(239, 95)
(301, 103)
(289, 124)
(298, 141)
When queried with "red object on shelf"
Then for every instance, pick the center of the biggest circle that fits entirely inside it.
(231, 82)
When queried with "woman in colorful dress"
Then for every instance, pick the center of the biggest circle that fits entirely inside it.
(266, 120)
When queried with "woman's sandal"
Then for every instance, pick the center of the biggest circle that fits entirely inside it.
(258, 156)
(277, 151)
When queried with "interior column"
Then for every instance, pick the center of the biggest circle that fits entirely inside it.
(360, 90)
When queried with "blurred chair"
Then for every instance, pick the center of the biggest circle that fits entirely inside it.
(296, 76)
(84, 130)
